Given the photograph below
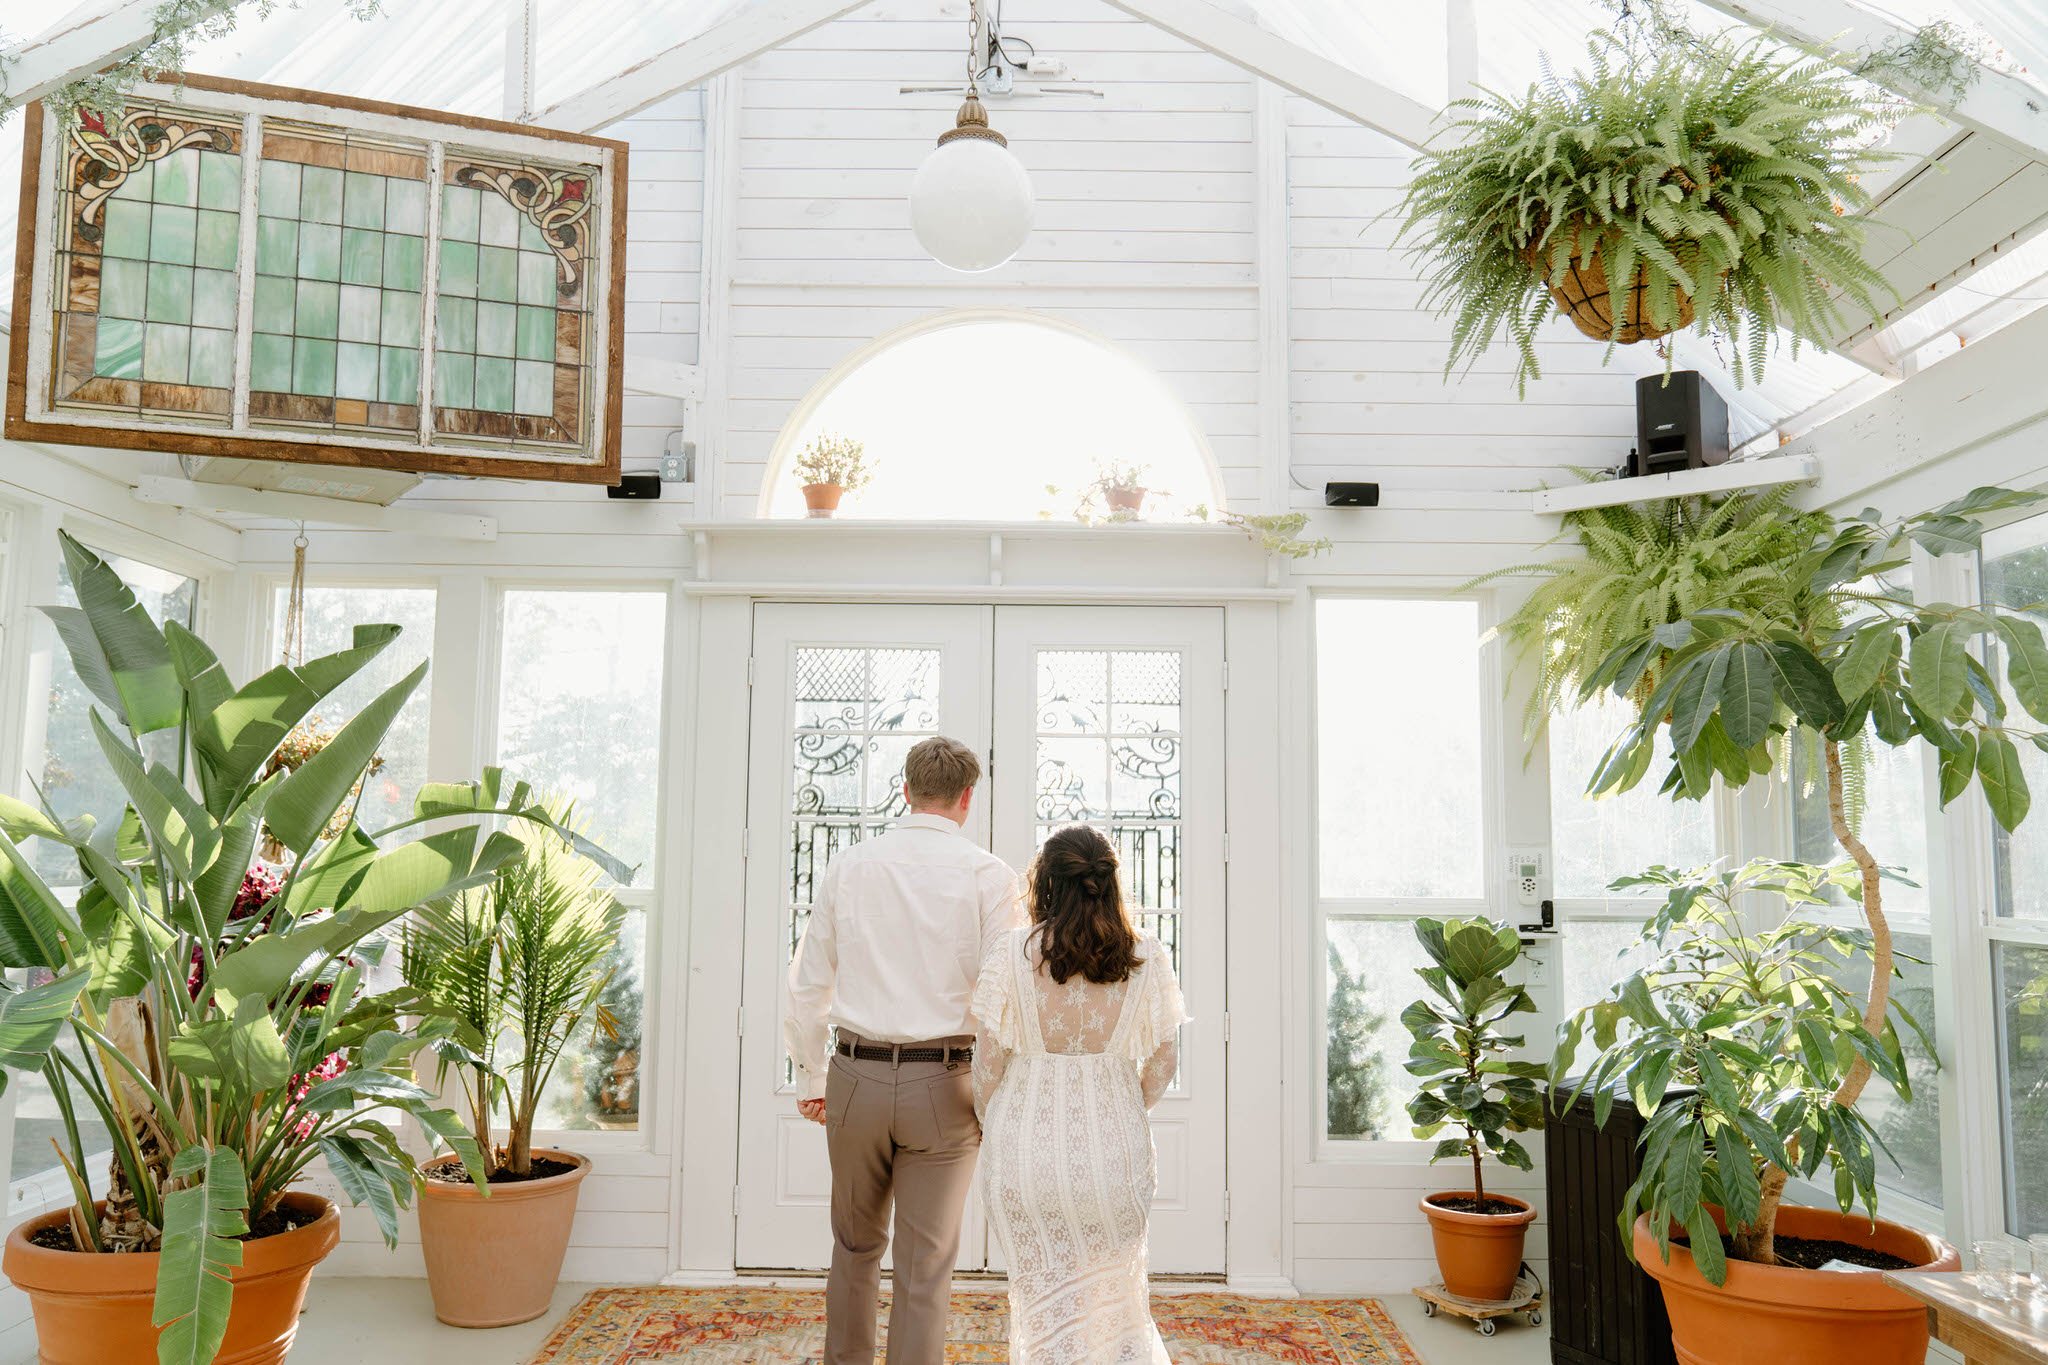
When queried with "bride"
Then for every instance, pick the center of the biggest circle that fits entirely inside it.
(1078, 1022)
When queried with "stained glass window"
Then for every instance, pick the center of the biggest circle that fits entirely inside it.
(244, 271)
(1109, 755)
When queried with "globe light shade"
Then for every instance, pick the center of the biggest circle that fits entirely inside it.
(971, 203)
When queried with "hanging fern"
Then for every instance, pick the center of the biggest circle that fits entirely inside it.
(1643, 566)
(1723, 169)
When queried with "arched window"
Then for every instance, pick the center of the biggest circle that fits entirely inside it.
(998, 417)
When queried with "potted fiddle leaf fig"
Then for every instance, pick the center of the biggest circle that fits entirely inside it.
(830, 467)
(1711, 181)
(1471, 1087)
(519, 963)
(1821, 649)
(214, 1009)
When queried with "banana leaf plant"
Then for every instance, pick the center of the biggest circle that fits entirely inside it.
(1833, 657)
(517, 963)
(1469, 1083)
(217, 1010)
(1735, 1044)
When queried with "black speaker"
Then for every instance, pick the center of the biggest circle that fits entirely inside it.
(1351, 495)
(635, 487)
(1681, 423)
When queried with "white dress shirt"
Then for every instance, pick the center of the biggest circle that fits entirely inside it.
(899, 926)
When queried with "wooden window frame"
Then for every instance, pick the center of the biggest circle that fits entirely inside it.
(35, 278)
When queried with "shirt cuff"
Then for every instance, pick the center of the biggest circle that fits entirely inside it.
(809, 1086)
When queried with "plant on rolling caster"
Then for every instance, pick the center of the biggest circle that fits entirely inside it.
(1470, 1085)
(517, 962)
(224, 1051)
(1736, 1044)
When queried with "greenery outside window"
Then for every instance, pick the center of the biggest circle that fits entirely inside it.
(580, 714)
(1401, 802)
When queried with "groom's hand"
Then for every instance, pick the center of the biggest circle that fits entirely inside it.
(814, 1110)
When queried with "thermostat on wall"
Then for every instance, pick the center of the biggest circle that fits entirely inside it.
(1525, 875)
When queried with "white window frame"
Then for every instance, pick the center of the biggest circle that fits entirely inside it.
(1396, 910)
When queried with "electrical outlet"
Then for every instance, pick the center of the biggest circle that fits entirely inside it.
(680, 465)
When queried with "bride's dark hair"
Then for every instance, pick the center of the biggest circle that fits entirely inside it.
(1077, 909)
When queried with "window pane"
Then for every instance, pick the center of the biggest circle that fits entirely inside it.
(580, 716)
(2016, 575)
(1595, 842)
(1371, 979)
(1912, 1131)
(1894, 824)
(75, 776)
(1597, 954)
(1397, 735)
(332, 613)
(2022, 986)
(37, 1120)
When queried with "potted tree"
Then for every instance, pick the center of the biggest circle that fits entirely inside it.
(1471, 1086)
(1700, 180)
(518, 963)
(217, 1021)
(1734, 1042)
(1821, 651)
(830, 468)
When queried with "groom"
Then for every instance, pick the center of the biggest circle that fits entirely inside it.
(899, 926)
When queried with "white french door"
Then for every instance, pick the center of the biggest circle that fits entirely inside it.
(1111, 716)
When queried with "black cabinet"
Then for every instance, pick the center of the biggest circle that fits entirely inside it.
(1603, 1309)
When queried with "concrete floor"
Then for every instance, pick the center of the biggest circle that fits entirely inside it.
(390, 1322)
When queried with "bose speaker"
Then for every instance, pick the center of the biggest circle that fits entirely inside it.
(1681, 423)
(634, 487)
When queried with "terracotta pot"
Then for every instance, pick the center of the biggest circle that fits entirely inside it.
(1773, 1315)
(92, 1308)
(823, 498)
(1584, 295)
(1130, 500)
(495, 1261)
(1478, 1254)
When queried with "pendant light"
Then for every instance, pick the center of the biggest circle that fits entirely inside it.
(971, 203)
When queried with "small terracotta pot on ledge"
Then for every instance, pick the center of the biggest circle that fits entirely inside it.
(1130, 500)
(495, 1260)
(1478, 1254)
(94, 1307)
(823, 498)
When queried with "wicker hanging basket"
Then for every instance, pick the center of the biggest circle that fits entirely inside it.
(1582, 294)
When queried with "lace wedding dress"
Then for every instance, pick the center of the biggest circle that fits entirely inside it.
(1063, 1077)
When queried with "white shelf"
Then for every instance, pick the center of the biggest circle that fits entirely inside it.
(1762, 472)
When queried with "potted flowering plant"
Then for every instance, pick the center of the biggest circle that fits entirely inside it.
(831, 467)
(518, 963)
(1122, 486)
(215, 1016)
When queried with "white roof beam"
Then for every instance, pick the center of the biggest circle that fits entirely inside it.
(755, 29)
(85, 44)
(1331, 84)
(1849, 35)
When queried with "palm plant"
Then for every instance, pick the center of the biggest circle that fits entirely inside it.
(519, 962)
(224, 1052)
(1711, 181)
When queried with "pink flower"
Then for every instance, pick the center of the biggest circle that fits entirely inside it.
(330, 1066)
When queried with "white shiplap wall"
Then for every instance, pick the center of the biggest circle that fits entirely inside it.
(1145, 213)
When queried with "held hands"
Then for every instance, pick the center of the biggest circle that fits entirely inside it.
(814, 1110)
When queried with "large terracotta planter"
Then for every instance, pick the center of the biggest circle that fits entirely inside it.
(495, 1261)
(1776, 1315)
(822, 499)
(92, 1308)
(1478, 1254)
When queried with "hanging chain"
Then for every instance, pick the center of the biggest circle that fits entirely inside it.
(295, 605)
(977, 47)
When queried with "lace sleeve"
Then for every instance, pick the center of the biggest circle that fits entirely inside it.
(995, 1021)
(1159, 1069)
(991, 1060)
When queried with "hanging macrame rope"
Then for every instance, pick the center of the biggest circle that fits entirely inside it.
(294, 652)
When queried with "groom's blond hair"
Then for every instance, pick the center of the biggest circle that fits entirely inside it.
(938, 771)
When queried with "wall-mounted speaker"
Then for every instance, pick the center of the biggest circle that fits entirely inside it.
(634, 487)
(1351, 495)
(1681, 423)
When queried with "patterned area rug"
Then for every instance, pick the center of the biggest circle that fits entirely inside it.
(787, 1327)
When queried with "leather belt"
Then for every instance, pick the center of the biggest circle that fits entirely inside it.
(898, 1053)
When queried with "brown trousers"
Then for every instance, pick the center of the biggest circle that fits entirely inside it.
(902, 1133)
